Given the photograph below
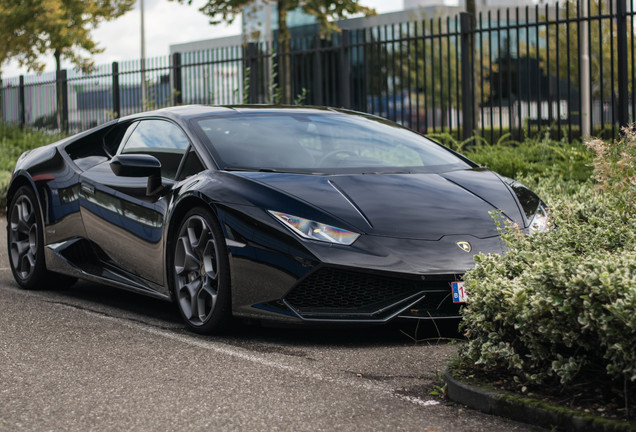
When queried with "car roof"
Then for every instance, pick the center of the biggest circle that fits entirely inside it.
(176, 112)
(184, 112)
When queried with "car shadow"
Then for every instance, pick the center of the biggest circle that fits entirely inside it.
(164, 314)
(397, 333)
(121, 300)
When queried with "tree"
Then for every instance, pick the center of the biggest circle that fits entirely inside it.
(564, 41)
(324, 11)
(16, 31)
(61, 27)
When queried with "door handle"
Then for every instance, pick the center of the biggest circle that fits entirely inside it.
(89, 189)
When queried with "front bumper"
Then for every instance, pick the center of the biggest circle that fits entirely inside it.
(345, 295)
(374, 280)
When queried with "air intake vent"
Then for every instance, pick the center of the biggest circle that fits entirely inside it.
(328, 292)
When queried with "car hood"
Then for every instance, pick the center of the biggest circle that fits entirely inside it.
(415, 206)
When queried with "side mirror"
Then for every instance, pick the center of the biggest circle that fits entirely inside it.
(139, 165)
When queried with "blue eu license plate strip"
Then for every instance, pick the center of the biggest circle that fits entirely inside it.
(459, 292)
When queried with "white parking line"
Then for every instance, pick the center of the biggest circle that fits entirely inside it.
(231, 351)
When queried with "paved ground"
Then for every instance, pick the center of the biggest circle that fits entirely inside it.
(95, 358)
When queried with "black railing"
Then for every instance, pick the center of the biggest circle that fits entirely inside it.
(564, 69)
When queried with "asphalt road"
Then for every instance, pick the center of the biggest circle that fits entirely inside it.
(93, 358)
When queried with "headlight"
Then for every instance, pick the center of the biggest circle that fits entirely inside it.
(313, 230)
(540, 221)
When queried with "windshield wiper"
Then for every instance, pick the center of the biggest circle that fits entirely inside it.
(387, 172)
(273, 170)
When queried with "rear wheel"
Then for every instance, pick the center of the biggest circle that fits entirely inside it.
(200, 272)
(25, 241)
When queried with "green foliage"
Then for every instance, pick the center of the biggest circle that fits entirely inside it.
(615, 165)
(13, 142)
(534, 157)
(441, 388)
(325, 11)
(61, 27)
(300, 97)
(451, 141)
(5, 178)
(246, 85)
(559, 307)
(602, 34)
(13, 15)
(273, 90)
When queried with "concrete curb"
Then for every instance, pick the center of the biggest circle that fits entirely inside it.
(530, 411)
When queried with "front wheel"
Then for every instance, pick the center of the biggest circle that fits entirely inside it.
(25, 241)
(200, 272)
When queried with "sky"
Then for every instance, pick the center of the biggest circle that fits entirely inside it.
(166, 23)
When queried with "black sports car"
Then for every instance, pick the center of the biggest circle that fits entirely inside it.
(301, 215)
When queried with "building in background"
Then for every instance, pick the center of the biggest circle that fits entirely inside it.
(415, 4)
(260, 21)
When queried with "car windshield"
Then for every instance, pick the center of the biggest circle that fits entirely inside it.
(318, 142)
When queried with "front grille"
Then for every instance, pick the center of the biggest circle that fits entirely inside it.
(330, 291)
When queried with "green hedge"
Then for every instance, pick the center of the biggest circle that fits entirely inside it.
(13, 142)
(536, 159)
(533, 157)
(559, 304)
(555, 132)
(560, 307)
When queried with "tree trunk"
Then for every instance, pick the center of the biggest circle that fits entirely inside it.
(471, 8)
(284, 61)
(1, 100)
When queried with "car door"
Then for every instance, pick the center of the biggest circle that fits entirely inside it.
(120, 214)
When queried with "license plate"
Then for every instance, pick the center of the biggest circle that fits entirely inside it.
(459, 292)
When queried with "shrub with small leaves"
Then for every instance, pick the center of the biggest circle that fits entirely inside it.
(615, 165)
(13, 142)
(533, 157)
(560, 306)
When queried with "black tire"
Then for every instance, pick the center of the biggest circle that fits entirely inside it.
(199, 269)
(25, 244)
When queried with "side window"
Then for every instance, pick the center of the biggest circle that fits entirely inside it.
(117, 135)
(191, 166)
(161, 139)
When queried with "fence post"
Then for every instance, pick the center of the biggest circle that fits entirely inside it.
(115, 90)
(621, 46)
(467, 32)
(584, 70)
(62, 101)
(345, 77)
(177, 83)
(252, 78)
(318, 96)
(22, 102)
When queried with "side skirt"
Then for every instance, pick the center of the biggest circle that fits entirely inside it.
(76, 258)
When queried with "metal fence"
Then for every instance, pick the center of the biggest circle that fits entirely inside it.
(565, 69)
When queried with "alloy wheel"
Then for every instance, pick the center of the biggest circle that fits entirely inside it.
(196, 269)
(23, 237)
